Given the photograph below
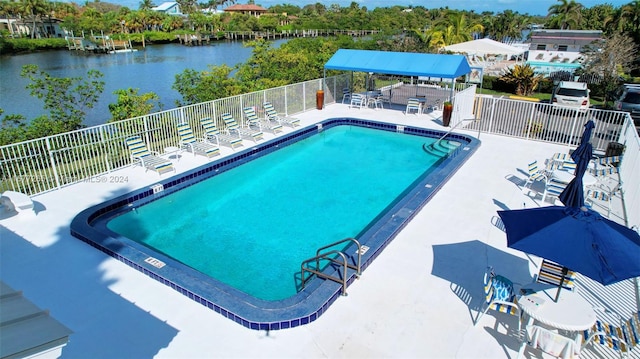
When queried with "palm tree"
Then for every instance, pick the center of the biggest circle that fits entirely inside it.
(34, 9)
(630, 18)
(567, 14)
(455, 29)
(524, 78)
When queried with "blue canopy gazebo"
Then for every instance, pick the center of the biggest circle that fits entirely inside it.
(400, 63)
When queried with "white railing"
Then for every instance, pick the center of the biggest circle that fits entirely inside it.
(49, 163)
(545, 122)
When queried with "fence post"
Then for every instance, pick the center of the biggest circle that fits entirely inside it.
(53, 162)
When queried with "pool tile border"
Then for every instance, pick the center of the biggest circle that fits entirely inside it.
(248, 311)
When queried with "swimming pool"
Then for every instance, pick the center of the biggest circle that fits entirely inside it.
(246, 309)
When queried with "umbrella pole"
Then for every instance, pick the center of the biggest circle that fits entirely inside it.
(565, 270)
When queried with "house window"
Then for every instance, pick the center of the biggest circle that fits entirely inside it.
(541, 47)
(562, 47)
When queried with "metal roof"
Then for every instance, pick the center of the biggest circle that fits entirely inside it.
(26, 329)
(399, 63)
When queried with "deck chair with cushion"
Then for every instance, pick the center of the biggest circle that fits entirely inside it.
(499, 296)
(150, 160)
(618, 334)
(196, 146)
(272, 114)
(413, 104)
(234, 128)
(551, 342)
(266, 123)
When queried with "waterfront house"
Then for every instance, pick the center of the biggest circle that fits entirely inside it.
(169, 7)
(249, 9)
(559, 50)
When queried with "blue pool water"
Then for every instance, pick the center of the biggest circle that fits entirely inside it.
(251, 227)
(374, 221)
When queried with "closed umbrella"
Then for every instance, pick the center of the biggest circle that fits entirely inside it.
(573, 194)
(577, 238)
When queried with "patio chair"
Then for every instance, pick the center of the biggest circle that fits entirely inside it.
(499, 296)
(413, 104)
(553, 189)
(621, 336)
(535, 174)
(194, 145)
(272, 114)
(358, 100)
(253, 120)
(551, 273)
(150, 160)
(346, 95)
(593, 195)
(550, 342)
(611, 161)
(213, 134)
(234, 127)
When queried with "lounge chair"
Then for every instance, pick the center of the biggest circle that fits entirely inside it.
(212, 134)
(413, 104)
(234, 127)
(254, 121)
(150, 160)
(272, 114)
(194, 145)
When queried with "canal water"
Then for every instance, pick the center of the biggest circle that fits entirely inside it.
(152, 69)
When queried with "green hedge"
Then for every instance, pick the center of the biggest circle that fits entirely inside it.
(14, 46)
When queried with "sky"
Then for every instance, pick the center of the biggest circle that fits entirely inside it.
(531, 7)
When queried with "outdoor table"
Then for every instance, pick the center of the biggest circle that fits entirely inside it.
(571, 311)
(566, 177)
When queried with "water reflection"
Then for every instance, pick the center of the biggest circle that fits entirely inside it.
(152, 69)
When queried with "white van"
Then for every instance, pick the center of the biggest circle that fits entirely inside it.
(571, 94)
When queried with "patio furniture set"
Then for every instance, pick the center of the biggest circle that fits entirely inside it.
(601, 179)
(559, 324)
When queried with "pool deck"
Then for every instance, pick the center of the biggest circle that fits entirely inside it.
(419, 298)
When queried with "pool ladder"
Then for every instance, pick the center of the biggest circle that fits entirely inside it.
(334, 256)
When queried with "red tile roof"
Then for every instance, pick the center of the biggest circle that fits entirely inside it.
(245, 7)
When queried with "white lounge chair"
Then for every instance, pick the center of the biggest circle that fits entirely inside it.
(283, 119)
(194, 145)
(254, 121)
(212, 134)
(234, 127)
(150, 160)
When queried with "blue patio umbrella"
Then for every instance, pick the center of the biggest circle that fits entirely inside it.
(577, 238)
(573, 194)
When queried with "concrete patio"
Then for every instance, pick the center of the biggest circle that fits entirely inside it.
(399, 307)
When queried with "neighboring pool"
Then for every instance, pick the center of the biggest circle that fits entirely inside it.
(261, 292)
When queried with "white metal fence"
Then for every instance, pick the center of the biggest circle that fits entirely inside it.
(48, 163)
(614, 131)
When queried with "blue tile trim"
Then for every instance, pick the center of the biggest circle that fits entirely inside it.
(248, 311)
